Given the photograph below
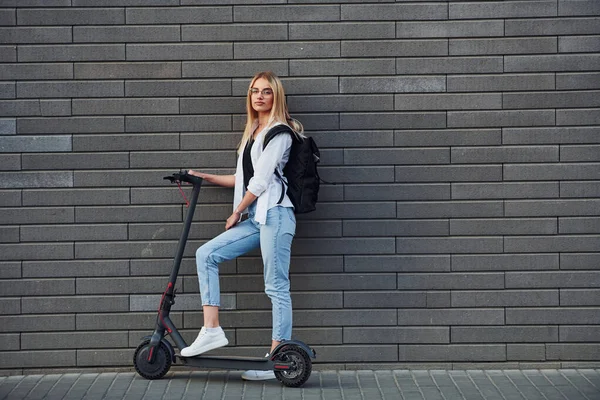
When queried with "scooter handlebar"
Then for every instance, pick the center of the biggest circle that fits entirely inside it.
(183, 176)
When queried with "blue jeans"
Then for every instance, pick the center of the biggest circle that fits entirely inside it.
(275, 241)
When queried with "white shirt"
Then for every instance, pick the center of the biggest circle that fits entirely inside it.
(264, 184)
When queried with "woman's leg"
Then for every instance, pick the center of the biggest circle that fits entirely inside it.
(276, 243)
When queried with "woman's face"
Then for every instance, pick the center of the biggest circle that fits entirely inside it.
(261, 96)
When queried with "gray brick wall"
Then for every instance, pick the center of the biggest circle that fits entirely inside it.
(463, 137)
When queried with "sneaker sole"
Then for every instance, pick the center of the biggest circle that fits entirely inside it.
(205, 349)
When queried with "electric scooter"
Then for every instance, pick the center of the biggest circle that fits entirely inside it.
(290, 361)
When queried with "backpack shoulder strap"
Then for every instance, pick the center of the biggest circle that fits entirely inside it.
(276, 130)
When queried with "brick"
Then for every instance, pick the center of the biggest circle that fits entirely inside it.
(10, 198)
(127, 70)
(10, 162)
(501, 118)
(505, 190)
(504, 82)
(448, 29)
(433, 191)
(580, 297)
(70, 125)
(502, 9)
(122, 34)
(504, 334)
(447, 137)
(10, 305)
(358, 354)
(35, 35)
(580, 153)
(505, 262)
(347, 282)
(36, 179)
(579, 44)
(125, 106)
(37, 287)
(133, 320)
(381, 48)
(108, 3)
(75, 304)
(286, 13)
(551, 26)
(289, 49)
(178, 15)
(9, 234)
(103, 357)
(504, 154)
(72, 52)
(437, 245)
(552, 207)
(578, 333)
(229, 69)
(440, 317)
(60, 161)
(120, 250)
(572, 171)
(579, 189)
(7, 91)
(561, 243)
(179, 51)
(215, 159)
(447, 101)
(343, 246)
(164, 231)
(499, 226)
(505, 298)
(70, 89)
(36, 71)
(545, 63)
(10, 269)
(578, 7)
(10, 342)
(354, 210)
(71, 16)
(314, 336)
(384, 299)
(573, 81)
(127, 214)
(344, 318)
(352, 139)
(393, 84)
(395, 228)
(8, 17)
(132, 142)
(396, 156)
(74, 268)
(177, 123)
(212, 105)
(73, 340)
(45, 215)
(341, 103)
(170, 196)
(66, 197)
(567, 135)
(396, 120)
(37, 323)
(36, 3)
(372, 66)
(397, 335)
(452, 173)
(503, 46)
(524, 352)
(64, 233)
(299, 264)
(397, 263)
(233, 32)
(8, 53)
(184, 87)
(557, 99)
(579, 225)
(344, 30)
(378, 12)
(317, 121)
(547, 279)
(582, 116)
(442, 281)
(357, 174)
(29, 359)
(576, 352)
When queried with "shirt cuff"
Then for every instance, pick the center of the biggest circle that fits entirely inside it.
(257, 186)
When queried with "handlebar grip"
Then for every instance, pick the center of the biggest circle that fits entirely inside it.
(183, 176)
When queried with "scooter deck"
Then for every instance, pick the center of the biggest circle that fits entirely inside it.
(223, 362)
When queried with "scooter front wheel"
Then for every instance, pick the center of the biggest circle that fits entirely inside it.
(301, 366)
(157, 369)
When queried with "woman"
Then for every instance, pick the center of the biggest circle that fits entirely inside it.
(269, 225)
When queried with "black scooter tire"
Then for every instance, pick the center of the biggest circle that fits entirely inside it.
(302, 366)
(156, 370)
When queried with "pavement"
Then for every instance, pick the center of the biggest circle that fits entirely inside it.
(563, 384)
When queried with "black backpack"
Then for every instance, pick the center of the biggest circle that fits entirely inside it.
(300, 171)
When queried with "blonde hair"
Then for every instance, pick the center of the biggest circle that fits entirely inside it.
(279, 111)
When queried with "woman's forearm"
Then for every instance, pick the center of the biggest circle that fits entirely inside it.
(220, 180)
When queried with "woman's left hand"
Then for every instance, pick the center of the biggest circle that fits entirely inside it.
(233, 220)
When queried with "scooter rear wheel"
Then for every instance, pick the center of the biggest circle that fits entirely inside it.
(160, 366)
(301, 366)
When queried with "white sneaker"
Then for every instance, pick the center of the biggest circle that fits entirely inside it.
(205, 342)
(254, 375)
